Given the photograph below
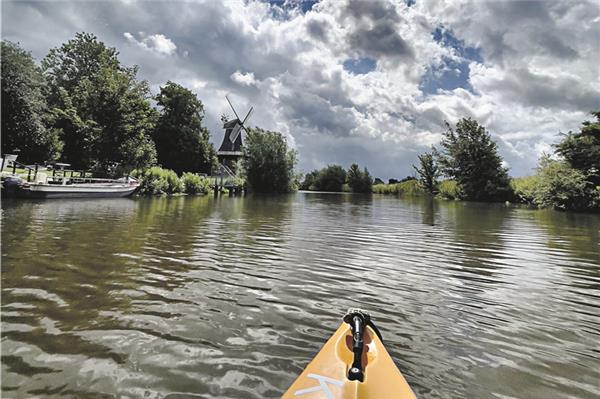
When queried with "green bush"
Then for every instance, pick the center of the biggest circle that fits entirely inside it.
(525, 188)
(195, 184)
(157, 181)
(559, 186)
(239, 181)
(151, 181)
(174, 183)
(449, 189)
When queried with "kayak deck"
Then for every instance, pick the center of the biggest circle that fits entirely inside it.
(326, 375)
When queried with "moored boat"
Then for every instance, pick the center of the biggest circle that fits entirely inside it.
(87, 188)
(352, 364)
(35, 183)
(9, 180)
(10, 185)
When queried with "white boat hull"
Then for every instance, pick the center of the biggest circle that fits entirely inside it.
(89, 190)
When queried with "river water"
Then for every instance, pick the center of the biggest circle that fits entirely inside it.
(231, 297)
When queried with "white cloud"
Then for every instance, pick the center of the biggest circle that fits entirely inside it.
(158, 43)
(539, 73)
(246, 79)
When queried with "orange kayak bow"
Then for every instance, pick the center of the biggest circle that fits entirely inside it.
(353, 363)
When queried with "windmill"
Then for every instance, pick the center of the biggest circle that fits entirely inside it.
(231, 147)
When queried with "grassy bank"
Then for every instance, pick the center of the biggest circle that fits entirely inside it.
(447, 189)
(561, 190)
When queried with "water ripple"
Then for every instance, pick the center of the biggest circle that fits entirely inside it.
(231, 297)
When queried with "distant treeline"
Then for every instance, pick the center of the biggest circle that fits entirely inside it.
(336, 178)
(468, 162)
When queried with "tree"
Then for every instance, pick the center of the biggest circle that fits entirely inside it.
(268, 162)
(378, 181)
(470, 156)
(331, 178)
(582, 149)
(24, 108)
(78, 134)
(182, 143)
(310, 179)
(82, 58)
(359, 181)
(428, 172)
(101, 109)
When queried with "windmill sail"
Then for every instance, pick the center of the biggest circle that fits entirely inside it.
(231, 105)
(235, 132)
(247, 116)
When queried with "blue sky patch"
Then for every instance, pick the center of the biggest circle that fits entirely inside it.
(360, 66)
(451, 73)
(447, 39)
(287, 5)
(307, 5)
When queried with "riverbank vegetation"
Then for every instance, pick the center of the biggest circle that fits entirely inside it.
(330, 178)
(445, 189)
(24, 108)
(428, 172)
(407, 187)
(469, 156)
(448, 189)
(182, 142)
(159, 181)
(83, 107)
(467, 166)
(469, 160)
(557, 185)
(268, 163)
(335, 178)
(359, 181)
(195, 184)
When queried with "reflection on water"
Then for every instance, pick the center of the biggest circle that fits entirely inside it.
(231, 297)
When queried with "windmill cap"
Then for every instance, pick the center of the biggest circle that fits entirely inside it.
(230, 123)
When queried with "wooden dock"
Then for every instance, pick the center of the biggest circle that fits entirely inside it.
(221, 185)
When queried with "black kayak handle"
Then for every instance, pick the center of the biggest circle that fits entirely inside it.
(357, 326)
(358, 321)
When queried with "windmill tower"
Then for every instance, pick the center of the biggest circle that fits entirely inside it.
(231, 147)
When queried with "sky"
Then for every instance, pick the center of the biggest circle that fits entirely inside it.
(345, 81)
